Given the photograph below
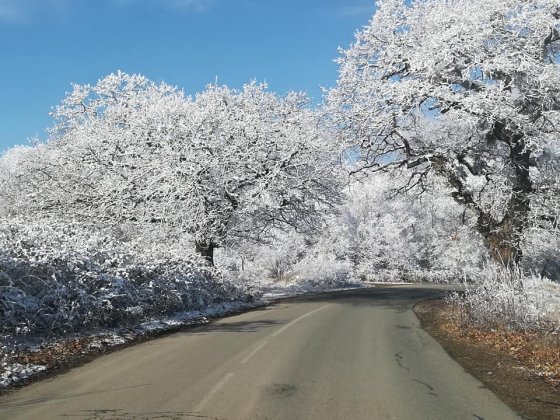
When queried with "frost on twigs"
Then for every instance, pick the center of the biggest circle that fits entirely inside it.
(57, 280)
(467, 90)
(222, 165)
(499, 298)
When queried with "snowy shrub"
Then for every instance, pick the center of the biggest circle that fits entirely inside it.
(277, 268)
(255, 263)
(326, 269)
(56, 281)
(502, 297)
(291, 260)
(414, 276)
(542, 252)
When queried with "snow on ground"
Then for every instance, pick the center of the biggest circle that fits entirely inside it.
(16, 372)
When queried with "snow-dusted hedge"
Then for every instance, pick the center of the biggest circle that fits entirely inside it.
(502, 297)
(56, 281)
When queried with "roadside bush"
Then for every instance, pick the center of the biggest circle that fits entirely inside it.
(59, 281)
(499, 297)
(317, 268)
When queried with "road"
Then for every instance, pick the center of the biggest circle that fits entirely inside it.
(357, 354)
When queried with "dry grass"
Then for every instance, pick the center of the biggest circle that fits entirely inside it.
(55, 354)
(521, 367)
(538, 349)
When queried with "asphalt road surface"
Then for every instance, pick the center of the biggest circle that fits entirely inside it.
(356, 354)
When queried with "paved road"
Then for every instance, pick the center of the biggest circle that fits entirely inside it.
(347, 355)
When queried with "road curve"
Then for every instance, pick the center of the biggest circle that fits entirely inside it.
(356, 354)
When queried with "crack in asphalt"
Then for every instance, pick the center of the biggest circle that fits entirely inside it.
(430, 388)
(399, 358)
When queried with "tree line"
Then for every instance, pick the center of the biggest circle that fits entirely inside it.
(463, 94)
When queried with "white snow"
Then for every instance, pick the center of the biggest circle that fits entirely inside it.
(16, 372)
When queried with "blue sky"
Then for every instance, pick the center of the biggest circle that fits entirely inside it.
(45, 45)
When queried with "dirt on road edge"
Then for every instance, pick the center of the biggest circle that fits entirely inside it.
(511, 376)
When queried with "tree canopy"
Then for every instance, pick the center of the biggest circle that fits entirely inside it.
(466, 89)
(225, 164)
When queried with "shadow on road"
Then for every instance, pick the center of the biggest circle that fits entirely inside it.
(55, 398)
(395, 298)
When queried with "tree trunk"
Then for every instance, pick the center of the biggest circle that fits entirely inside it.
(503, 241)
(206, 250)
(503, 238)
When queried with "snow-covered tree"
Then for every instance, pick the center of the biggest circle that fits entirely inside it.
(222, 165)
(468, 89)
(264, 165)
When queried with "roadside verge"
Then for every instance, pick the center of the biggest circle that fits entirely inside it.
(520, 368)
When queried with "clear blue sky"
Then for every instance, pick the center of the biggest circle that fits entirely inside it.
(45, 45)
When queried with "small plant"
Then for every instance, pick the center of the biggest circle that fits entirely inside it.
(277, 268)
